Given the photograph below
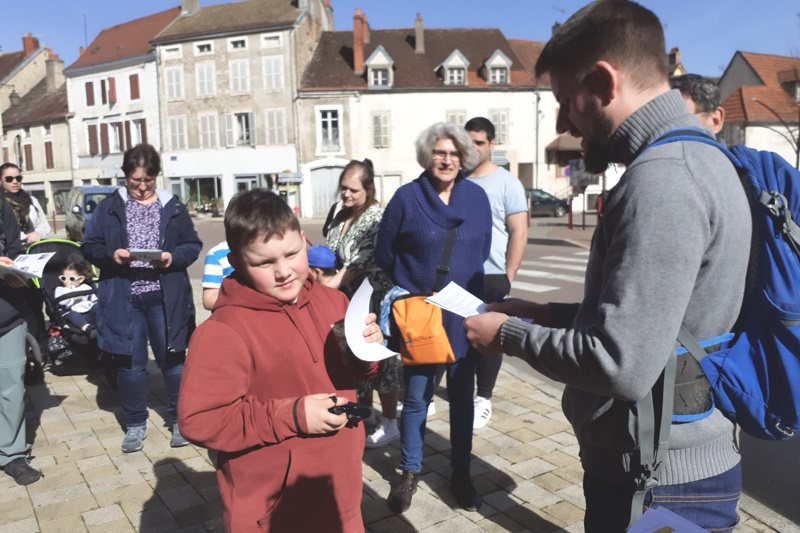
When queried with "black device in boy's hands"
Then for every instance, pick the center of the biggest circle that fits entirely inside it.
(353, 410)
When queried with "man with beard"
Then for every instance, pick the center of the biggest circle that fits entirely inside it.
(670, 250)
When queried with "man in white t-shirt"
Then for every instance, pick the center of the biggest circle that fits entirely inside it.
(510, 219)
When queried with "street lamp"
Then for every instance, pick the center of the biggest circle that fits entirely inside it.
(794, 142)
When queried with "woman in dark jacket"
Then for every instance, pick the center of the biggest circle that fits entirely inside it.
(409, 247)
(141, 301)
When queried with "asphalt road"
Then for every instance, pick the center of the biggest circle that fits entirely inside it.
(770, 470)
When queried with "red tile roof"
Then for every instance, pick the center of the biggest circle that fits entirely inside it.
(37, 107)
(528, 52)
(749, 104)
(235, 17)
(768, 67)
(332, 64)
(124, 41)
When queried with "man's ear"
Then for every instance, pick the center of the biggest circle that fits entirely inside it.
(603, 82)
(716, 119)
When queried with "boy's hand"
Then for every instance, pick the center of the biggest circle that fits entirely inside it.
(373, 331)
(318, 419)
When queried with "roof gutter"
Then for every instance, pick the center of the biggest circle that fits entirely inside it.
(102, 67)
(163, 41)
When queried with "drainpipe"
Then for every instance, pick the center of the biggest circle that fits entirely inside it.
(536, 165)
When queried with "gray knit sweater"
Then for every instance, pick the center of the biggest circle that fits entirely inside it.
(672, 248)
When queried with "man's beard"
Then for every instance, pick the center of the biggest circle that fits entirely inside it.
(595, 158)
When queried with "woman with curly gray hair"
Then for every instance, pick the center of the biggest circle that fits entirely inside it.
(411, 239)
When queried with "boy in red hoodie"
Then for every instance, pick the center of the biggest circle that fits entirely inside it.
(262, 373)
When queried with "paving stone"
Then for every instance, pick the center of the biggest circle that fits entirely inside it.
(10, 491)
(177, 499)
(16, 510)
(39, 462)
(459, 524)
(198, 514)
(574, 495)
(56, 476)
(103, 515)
(500, 523)
(66, 508)
(154, 521)
(93, 462)
(502, 500)
(117, 526)
(565, 512)
(531, 468)
(58, 495)
(28, 525)
(510, 408)
(427, 510)
(393, 524)
(530, 492)
(114, 482)
(72, 523)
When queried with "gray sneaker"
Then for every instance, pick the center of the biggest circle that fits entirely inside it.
(177, 440)
(133, 439)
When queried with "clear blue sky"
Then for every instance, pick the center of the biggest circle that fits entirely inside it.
(708, 32)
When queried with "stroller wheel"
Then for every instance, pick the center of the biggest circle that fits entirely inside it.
(32, 349)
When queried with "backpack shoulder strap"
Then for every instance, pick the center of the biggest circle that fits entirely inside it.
(444, 263)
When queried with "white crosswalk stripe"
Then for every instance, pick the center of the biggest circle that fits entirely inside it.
(551, 272)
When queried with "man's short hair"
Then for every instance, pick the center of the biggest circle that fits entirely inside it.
(702, 91)
(481, 124)
(623, 33)
(257, 213)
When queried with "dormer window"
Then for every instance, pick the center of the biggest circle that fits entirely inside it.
(379, 77)
(380, 72)
(204, 48)
(498, 75)
(497, 68)
(237, 44)
(172, 52)
(453, 70)
(455, 76)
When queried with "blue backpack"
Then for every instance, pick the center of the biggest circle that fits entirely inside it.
(753, 373)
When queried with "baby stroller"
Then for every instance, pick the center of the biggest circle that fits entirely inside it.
(69, 349)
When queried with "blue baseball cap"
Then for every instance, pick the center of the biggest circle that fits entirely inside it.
(321, 257)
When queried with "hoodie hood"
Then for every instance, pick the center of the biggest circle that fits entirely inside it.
(164, 195)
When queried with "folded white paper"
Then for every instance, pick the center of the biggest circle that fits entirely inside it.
(27, 266)
(457, 300)
(354, 326)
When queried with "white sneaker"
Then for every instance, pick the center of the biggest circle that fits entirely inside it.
(384, 433)
(483, 412)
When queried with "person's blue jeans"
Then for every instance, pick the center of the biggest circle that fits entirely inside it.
(148, 323)
(710, 503)
(419, 382)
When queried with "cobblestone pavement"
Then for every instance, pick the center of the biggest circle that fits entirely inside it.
(525, 467)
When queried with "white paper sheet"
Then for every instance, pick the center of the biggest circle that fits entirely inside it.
(27, 266)
(145, 255)
(354, 327)
(457, 300)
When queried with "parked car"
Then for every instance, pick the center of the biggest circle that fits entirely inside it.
(81, 203)
(544, 203)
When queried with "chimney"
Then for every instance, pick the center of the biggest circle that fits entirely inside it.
(188, 7)
(29, 44)
(358, 43)
(674, 57)
(555, 28)
(365, 28)
(80, 51)
(55, 73)
(419, 36)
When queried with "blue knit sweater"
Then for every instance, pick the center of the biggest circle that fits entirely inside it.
(412, 236)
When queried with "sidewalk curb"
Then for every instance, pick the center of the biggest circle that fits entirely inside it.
(767, 516)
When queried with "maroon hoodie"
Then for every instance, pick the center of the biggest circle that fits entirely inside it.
(246, 366)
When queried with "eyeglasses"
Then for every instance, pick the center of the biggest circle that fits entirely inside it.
(441, 154)
(137, 181)
(9, 179)
(71, 278)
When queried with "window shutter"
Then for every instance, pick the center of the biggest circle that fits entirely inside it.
(134, 80)
(112, 90)
(376, 131)
(103, 94)
(127, 143)
(144, 131)
(230, 130)
(252, 132)
(92, 139)
(28, 157)
(48, 154)
(89, 93)
(281, 120)
(104, 138)
(5, 155)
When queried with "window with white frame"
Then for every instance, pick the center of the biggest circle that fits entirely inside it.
(498, 75)
(172, 52)
(137, 136)
(273, 73)
(206, 79)
(240, 75)
(115, 137)
(499, 118)
(240, 129)
(379, 77)
(208, 131)
(174, 82)
(271, 40)
(328, 129)
(276, 126)
(456, 116)
(237, 44)
(456, 75)
(177, 133)
(204, 48)
(380, 130)
(47, 130)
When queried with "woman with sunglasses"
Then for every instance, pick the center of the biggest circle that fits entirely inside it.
(143, 299)
(30, 215)
(78, 310)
